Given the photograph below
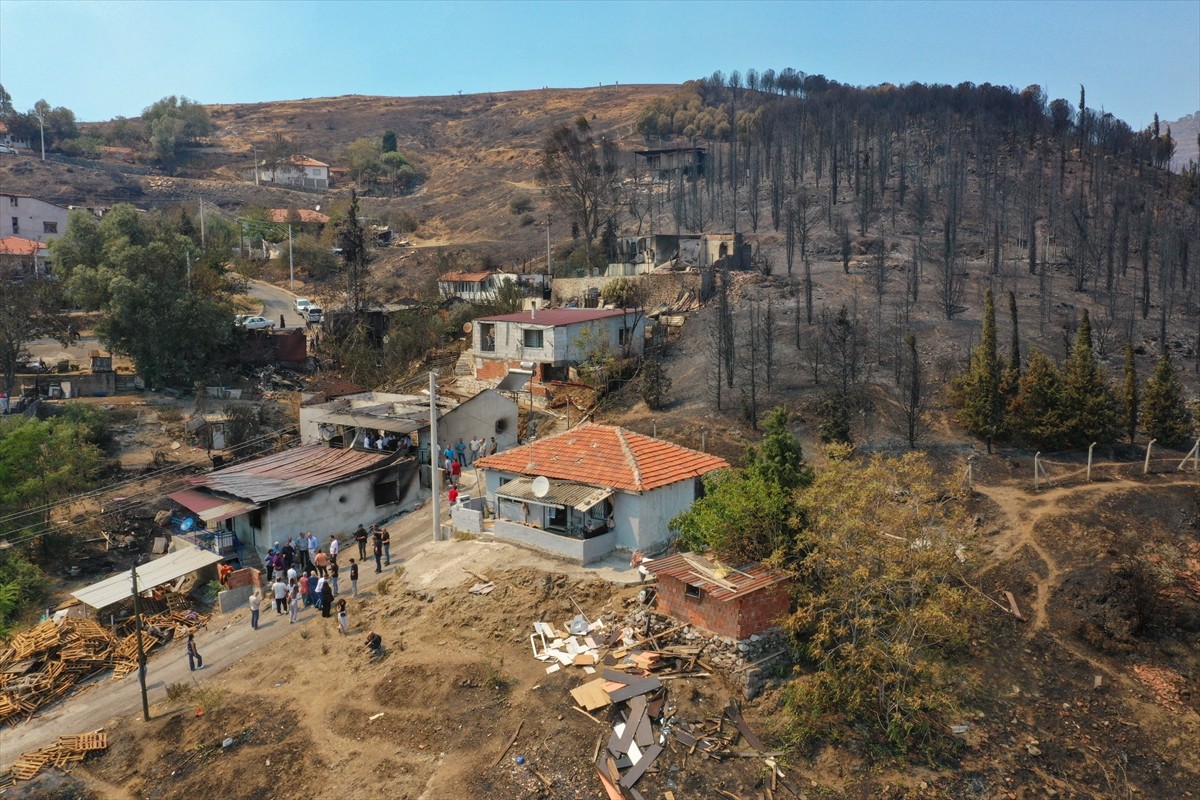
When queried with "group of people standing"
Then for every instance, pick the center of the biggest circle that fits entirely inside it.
(386, 442)
(460, 455)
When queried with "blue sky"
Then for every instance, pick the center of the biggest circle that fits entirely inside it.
(103, 59)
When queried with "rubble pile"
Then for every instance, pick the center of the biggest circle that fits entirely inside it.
(628, 692)
(749, 663)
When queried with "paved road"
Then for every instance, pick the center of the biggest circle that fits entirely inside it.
(275, 301)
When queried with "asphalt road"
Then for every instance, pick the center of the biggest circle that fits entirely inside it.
(276, 302)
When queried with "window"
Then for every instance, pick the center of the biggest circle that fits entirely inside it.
(487, 337)
(692, 591)
(623, 336)
(49, 227)
(531, 338)
(385, 493)
(16, 226)
(12, 201)
(256, 519)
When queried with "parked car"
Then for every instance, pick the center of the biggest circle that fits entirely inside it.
(312, 314)
(301, 304)
(258, 323)
(6, 149)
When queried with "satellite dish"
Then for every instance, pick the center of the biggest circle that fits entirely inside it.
(541, 486)
(466, 327)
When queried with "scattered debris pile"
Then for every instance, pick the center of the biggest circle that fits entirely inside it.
(66, 751)
(632, 691)
(47, 661)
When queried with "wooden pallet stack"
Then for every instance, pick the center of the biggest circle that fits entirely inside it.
(44, 663)
(66, 751)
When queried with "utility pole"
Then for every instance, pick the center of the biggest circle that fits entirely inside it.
(203, 242)
(141, 652)
(547, 245)
(255, 146)
(42, 128)
(291, 263)
(433, 457)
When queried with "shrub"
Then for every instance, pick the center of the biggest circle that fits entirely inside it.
(521, 204)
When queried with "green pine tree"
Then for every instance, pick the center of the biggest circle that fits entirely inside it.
(1129, 395)
(979, 388)
(779, 459)
(1036, 413)
(1090, 410)
(1164, 415)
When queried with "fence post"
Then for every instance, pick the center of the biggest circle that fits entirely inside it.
(1194, 455)
(1146, 466)
(1089, 474)
(1036, 468)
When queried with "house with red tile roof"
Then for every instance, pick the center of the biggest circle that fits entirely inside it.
(544, 343)
(20, 256)
(304, 216)
(592, 489)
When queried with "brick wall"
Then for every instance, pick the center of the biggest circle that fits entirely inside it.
(737, 619)
(491, 370)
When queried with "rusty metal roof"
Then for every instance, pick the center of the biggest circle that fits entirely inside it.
(291, 472)
(606, 455)
(690, 568)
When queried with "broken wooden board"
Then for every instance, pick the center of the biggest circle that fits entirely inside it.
(643, 686)
(1012, 605)
(591, 695)
(735, 716)
(637, 770)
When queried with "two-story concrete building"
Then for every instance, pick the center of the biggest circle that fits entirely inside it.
(31, 218)
(547, 342)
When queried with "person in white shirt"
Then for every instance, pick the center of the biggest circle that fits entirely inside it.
(280, 590)
(334, 547)
(474, 449)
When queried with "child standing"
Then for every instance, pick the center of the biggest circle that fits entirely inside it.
(343, 618)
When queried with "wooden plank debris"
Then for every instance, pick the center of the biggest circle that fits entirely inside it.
(64, 752)
(735, 716)
(643, 686)
(638, 769)
(1012, 605)
(591, 695)
(507, 747)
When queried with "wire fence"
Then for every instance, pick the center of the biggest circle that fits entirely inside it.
(1093, 464)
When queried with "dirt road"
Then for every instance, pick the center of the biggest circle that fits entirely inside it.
(230, 639)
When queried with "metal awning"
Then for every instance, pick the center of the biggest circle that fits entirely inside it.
(155, 573)
(210, 507)
(562, 494)
(514, 380)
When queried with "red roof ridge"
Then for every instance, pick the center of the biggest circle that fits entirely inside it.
(631, 458)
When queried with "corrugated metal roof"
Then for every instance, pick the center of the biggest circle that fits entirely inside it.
(562, 493)
(156, 573)
(464, 277)
(606, 455)
(554, 317)
(748, 579)
(210, 507)
(292, 471)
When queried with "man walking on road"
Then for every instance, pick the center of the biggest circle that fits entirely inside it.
(354, 578)
(378, 549)
(386, 540)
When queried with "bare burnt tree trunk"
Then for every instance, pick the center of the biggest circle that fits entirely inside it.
(768, 344)
(808, 291)
(912, 393)
(1146, 230)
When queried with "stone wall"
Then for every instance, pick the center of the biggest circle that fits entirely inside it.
(750, 663)
(662, 288)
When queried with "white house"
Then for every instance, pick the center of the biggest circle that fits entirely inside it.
(547, 342)
(307, 173)
(593, 489)
(344, 421)
(316, 488)
(474, 287)
(7, 138)
(30, 218)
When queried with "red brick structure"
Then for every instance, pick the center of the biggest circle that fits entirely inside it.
(736, 603)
